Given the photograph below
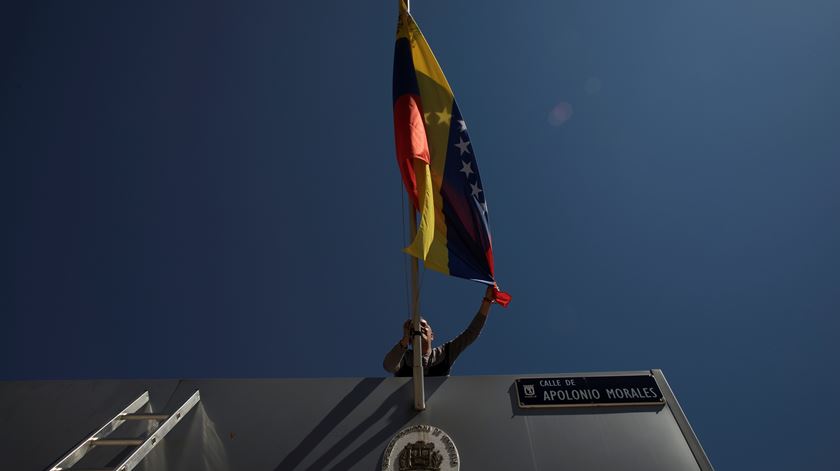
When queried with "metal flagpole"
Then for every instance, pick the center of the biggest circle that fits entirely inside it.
(416, 339)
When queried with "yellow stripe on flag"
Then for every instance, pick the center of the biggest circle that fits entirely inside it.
(437, 100)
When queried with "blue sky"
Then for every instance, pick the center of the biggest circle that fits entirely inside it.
(209, 189)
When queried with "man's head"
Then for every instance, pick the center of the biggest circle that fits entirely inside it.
(426, 334)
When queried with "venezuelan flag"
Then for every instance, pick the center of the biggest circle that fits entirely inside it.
(437, 163)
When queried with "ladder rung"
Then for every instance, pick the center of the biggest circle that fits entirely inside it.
(158, 417)
(117, 441)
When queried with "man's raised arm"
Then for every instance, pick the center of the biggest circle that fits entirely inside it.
(468, 336)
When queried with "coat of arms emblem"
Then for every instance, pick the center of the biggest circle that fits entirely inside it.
(529, 389)
(421, 447)
(420, 456)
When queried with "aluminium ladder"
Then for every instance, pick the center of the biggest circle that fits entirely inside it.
(143, 445)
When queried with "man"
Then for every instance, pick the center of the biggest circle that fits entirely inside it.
(436, 361)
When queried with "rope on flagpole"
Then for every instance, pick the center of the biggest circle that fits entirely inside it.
(406, 281)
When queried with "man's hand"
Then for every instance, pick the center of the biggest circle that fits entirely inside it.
(406, 338)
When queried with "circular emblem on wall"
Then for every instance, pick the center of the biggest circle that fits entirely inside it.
(421, 448)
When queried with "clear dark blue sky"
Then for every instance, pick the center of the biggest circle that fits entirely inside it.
(209, 189)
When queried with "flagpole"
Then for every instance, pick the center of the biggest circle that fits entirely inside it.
(416, 339)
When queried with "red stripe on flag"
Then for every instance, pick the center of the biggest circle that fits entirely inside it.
(489, 255)
(410, 137)
(499, 296)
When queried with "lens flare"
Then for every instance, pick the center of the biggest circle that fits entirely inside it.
(561, 113)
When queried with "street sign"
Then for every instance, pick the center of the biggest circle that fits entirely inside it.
(588, 391)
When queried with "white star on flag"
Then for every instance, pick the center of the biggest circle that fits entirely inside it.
(463, 125)
(475, 189)
(466, 168)
(462, 146)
